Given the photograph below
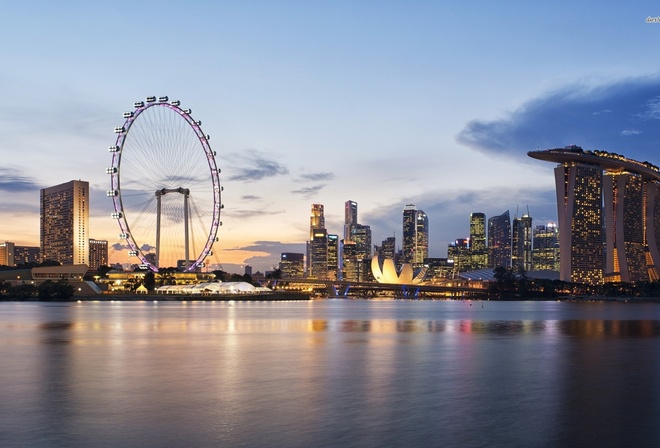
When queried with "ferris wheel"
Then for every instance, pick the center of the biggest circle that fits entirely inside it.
(165, 186)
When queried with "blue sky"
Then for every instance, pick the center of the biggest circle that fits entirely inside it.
(384, 103)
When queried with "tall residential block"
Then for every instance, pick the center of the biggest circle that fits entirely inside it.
(65, 223)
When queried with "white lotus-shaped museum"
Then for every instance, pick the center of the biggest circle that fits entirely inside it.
(387, 273)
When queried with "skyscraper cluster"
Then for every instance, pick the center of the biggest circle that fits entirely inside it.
(499, 241)
(328, 257)
(609, 216)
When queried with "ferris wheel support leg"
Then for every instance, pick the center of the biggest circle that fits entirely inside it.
(185, 218)
(158, 196)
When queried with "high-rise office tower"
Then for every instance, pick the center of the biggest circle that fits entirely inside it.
(458, 253)
(315, 248)
(521, 243)
(316, 219)
(409, 232)
(350, 262)
(545, 252)
(333, 256)
(415, 235)
(65, 223)
(98, 253)
(422, 239)
(350, 219)
(478, 250)
(319, 254)
(623, 194)
(388, 248)
(362, 238)
(292, 265)
(499, 240)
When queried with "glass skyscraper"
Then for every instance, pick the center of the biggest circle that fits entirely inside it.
(478, 250)
(317, 247)
(545, 252)
(350, 219)
(415, 236)
(521, 243)
(499, 240)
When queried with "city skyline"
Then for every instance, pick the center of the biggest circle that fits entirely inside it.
(325, 103)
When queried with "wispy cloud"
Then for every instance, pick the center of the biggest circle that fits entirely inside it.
(13, 181)
(250, 197)
(308, 192)
(316, 177)
(271, 246)
(246, 214)
(589, 116)
(253, 165)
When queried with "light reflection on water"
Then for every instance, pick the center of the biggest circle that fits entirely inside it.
(329, 373)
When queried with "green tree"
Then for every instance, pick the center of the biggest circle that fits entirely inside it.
(220, 275)
(22, 292)
(150, 281)
(60, 290)
(102, 271)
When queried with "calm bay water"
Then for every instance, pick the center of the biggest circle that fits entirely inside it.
(330, 373)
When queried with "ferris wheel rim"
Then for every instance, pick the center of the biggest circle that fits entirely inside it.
(115, 171)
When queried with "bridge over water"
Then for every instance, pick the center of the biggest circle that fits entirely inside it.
(342, 288)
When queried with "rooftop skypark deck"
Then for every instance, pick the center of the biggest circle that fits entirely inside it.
(607, 160)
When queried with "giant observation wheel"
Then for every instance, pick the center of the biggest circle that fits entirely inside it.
(165, 186)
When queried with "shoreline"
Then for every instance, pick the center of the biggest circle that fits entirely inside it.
(261, 297)
(296, 296)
